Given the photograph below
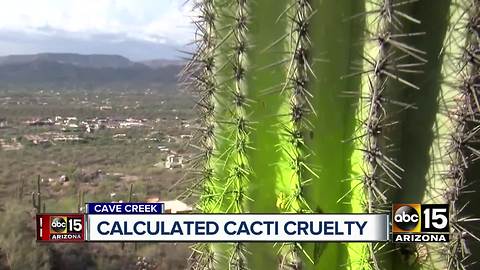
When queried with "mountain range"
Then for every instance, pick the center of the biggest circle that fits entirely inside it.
(58, 71)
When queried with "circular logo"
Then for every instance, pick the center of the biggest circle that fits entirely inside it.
(58, 224)
(406, 218)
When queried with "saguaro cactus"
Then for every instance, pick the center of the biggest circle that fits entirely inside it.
(20, 189)
(81, 201)
(336, 106)
(454, 171)
(37, 198)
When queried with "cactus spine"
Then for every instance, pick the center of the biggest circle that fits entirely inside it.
(322, 106)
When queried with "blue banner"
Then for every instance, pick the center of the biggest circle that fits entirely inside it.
(125, 208)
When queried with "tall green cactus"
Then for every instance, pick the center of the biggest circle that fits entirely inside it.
(453, 176)
(37, 198)
(337, 106)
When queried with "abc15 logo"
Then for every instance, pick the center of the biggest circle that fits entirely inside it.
(63, 224)
(420, 218)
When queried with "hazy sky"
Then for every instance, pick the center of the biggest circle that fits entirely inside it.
(138, 29)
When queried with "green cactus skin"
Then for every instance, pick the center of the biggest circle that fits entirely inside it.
(323, 106)
(265, 108)
(327, 46)
(402, 84)
(210, 77)
(266, 125)
(454, 168)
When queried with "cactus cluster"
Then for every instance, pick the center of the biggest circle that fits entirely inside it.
(337, 106)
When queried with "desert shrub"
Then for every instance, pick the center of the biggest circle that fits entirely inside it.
(17, 239)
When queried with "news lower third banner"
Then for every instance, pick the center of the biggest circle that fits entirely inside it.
(238, 227)
(118, 222)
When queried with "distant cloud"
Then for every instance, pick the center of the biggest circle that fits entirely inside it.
(149, 19)
(147, 22)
